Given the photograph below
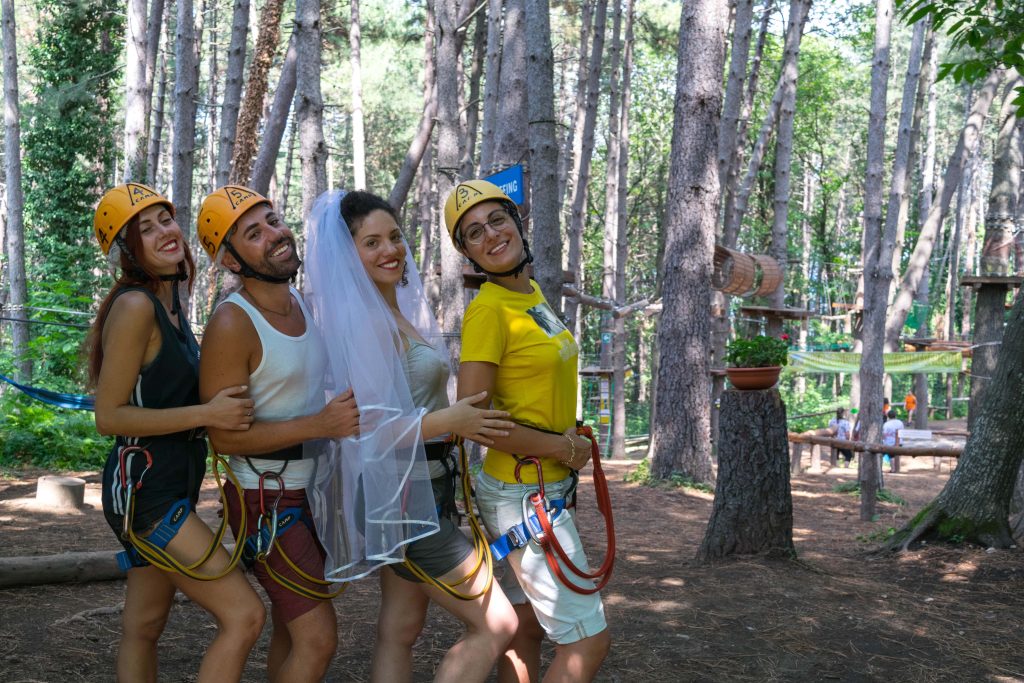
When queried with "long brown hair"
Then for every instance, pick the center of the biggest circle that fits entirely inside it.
(134, 273)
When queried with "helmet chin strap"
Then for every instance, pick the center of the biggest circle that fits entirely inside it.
(249, 271)
(135, 269)
(175, 297)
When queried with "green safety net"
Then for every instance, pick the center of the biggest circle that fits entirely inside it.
(923, 362)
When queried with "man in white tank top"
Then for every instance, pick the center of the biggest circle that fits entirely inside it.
(262, 336)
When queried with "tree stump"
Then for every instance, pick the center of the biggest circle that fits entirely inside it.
(60, 492)
(753, 509)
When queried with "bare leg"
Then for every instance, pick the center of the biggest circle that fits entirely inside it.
(231, 600)
(403, 609)
(521, 661)
(147, 602)
(314, 638)
(578, 662)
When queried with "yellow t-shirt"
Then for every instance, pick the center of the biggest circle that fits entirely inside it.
(536, 358)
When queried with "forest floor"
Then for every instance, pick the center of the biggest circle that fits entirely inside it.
(837, 613)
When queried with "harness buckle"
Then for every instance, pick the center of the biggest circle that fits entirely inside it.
(534, 500)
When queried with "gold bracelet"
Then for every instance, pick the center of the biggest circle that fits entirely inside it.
(572, 447)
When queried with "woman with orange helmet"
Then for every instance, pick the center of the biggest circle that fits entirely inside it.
(515, 348)
(143, 361)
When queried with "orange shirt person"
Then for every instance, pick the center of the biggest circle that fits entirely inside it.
(910, 403)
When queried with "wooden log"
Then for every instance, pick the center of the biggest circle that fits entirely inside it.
(861, 447)
(98, 565)
(55, 491)
(796, 457)
(753, 508)
(815, 458)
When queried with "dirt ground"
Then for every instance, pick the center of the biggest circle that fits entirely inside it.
(838, 613)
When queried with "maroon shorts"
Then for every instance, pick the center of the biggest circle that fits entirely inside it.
(299, 543)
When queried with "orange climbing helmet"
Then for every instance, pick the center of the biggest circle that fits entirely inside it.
(219, 212)
(118, 206)
(468, 194)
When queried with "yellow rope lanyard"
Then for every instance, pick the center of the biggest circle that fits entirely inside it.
(160, 558)
(480, 545)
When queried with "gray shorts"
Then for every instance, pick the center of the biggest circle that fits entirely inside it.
(441, 552)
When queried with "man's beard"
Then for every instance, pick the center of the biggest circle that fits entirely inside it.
(279, 269)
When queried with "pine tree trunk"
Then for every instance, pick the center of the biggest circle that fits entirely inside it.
(154, 29)
(232, 90)
(15, 232)
(421, 140)
(358, 133)
(273, 132)
(212, 79)
(492, 86)
(511, 134)
(926, 90)
(966, 144)
(309, 104)
(877, 262)
(256, 83)
(546, 236)
(732, 107)
(451, 299)
(680, 436)
(135, 96)
(580, 176)
(573, 140)
(185, 95)
(974, 505)
(157, 126)
(753, 509)
(468, 164)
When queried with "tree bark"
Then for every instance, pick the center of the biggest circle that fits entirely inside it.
(232, 90)
(492, 86)
(358, 134)
(580, 176)
(973, 507)
(877, 262)
(15, 232)
(273, 132)
(421, 140)
(256, 84)
(966, 144)
(573, 140)
(791, 50)
(753, 509)
(135, 95)
(157, 126)
(473, 105)
(185, 95)
(680, 437)
(732, 107)
(309, 104)
(510, 145)
(545, 225)
(154, 29)
(922, 296)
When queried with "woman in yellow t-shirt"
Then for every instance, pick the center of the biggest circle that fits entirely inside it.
(515, 348)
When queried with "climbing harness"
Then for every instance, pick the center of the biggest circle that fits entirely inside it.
(539, 514)
(270, 526)
(479, 539)
(152, 549)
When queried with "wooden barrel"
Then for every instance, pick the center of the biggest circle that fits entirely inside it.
(769, 272)
(734, 271)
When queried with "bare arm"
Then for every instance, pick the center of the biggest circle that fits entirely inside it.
(476, 377)
(131, 338)
(468, 421)
(231, 350)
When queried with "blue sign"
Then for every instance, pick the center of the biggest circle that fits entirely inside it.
(511, 182)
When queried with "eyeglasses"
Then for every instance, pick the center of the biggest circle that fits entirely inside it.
(474, 233)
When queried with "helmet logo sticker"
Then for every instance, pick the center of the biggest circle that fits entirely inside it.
(238, 195)
(463, 194)
(139, 193)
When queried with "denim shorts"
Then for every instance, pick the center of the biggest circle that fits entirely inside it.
(566, 616)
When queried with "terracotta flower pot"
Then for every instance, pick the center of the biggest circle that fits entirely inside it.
(754, 378)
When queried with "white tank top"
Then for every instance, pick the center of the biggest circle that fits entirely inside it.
(288, 383)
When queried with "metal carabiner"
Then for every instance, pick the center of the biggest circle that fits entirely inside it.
(261, 552)
(535, 461)
(528, 507)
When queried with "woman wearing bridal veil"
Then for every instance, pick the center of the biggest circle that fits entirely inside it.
(386, 496)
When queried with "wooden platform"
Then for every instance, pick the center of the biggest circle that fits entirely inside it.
(977, 281)
(784, 313)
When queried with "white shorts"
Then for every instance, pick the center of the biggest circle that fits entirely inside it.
(566, 616)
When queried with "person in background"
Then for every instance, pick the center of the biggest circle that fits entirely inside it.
(842, 429)
(910, 403)
(891, 435)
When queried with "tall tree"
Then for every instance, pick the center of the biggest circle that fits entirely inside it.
(731, 108)
(492, 86)
(15, 233)
(421, 141)
(232, 89)
(136, 94)
(680, 438)
(186, 91)
(309, 103)
(256, 86)
(356, 77)
(277, 121)
(546, 232)
(877, 262)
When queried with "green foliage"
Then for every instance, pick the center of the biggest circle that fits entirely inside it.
(69, 142)
(815, 398)
(884, 495)
(32, 433)
(988, 34)
(758, 352)
(56, 350)
(642, 475)
(877, 536)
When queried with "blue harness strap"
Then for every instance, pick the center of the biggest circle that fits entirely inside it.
(258, 542)
(167, 529)
(519, 535)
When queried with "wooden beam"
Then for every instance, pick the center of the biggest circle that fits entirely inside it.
(862, 447)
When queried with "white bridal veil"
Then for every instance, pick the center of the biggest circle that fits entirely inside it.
(371, 494)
